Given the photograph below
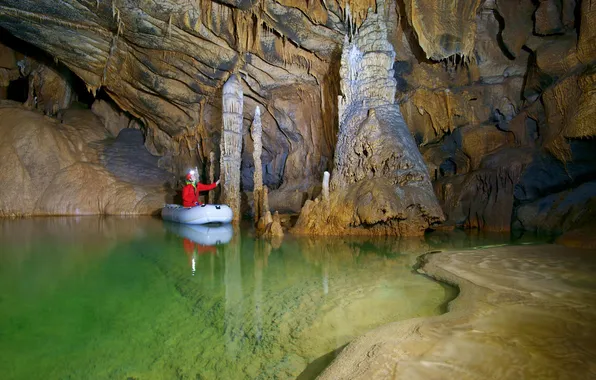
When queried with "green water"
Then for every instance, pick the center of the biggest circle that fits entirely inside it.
(111, 298)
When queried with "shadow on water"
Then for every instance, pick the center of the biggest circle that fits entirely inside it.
(317, 366)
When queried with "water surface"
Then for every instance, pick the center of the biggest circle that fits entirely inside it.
(112, 298)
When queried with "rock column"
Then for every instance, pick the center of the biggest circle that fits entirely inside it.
(380, 184)
(231, 144)
(257, 138)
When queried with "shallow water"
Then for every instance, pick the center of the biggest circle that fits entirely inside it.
(107, 298)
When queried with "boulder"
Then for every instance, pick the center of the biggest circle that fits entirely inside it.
(559, 212)
(483, 199)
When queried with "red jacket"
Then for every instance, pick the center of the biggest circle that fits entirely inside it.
(190, 194)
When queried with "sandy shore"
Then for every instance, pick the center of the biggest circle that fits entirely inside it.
(523, 312)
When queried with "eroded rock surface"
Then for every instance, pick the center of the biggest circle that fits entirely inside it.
(53, 168)
(522, 312)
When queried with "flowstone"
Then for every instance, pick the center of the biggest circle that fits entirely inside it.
(379, 184)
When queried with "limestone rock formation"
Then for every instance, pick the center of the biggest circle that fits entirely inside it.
(212, 165)
(475, 80)
(231, 144)
(113, 120)
(444, 28)
(559, 212)
(273, 228)
(484, 198)
(165, 62)
(379, 184)
(325, 186)
(48, 90)
(53, 168)
(9, 70)
(257, 138)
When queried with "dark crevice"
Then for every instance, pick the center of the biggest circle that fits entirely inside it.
(410, 34)
(578, 17)
(18, 90)
(500, 40)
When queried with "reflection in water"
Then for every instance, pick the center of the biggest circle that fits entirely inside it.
(118, 298)
(233, 294)
(201, 239)
(261, 253)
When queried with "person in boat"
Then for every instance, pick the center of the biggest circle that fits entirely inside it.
(190, 191)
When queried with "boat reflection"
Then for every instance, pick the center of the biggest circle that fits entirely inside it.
(202, 234)
(200, 239)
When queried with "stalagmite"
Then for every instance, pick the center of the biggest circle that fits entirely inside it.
(265, 199)
(325, 191)
(212, 164)
(380, 183)
(274, 228)
(265, 219)
(257, 134)
(231, 144)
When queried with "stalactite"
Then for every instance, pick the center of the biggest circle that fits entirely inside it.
(91, 89)
(231, 144)
(257, 138)
(120, 28)
(355, 12)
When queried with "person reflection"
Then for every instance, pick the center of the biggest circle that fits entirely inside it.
(193, 250)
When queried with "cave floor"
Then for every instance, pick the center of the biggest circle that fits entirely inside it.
(523, 312)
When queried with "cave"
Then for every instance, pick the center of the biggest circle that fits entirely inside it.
(297, 189)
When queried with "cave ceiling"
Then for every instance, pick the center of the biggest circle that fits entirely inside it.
(163, 60)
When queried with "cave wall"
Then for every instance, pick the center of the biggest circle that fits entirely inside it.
(507, 127)
(68, 167)
(165, 63)
(498, 94)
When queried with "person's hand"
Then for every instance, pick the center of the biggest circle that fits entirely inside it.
(217, 182)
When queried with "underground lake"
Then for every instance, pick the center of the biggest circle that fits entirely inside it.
(108, 297)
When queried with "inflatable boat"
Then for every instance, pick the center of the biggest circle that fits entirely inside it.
(202, 214)
(202, 234)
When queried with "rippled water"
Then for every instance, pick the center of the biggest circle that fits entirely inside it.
(111, 298)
